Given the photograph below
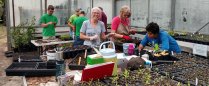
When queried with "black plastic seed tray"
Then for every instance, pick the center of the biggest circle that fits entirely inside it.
(71, 52)
(168, 59)
(73, 64)
(27, 58)
(30, 69)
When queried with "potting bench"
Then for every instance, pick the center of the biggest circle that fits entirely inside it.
(40, 45)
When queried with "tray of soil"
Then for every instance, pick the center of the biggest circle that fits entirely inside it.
(70, 52)
(140, 77)
(78, 62)
(188, 69)
(26, 58)
(194, 38)
(30, 69)
(40, 41)
(159, 57)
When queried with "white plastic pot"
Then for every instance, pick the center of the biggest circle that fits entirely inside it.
(59, 55)
(51, 55)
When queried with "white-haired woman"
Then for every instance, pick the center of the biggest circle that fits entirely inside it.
(121, 25)
(93, 30)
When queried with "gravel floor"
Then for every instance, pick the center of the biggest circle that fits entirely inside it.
(5, 62)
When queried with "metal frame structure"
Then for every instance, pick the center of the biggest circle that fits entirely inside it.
(43, 5)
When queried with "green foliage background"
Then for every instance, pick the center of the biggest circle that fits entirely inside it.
(2, 2)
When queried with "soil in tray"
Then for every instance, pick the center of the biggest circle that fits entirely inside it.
(188, 68)
(152, 57)
(196, 38)
(141, 77)
(26, 58)
(71, 52)
(75, 65)
(22, 66)
(76, 59)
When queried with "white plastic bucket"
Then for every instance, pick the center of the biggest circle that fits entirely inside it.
(51, 55)
(59, 55)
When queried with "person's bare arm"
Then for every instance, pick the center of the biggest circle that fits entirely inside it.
(116, 35)
(83, 36)
(140, 47)
(71, 25)
(46, 25)
(103, 36)
(55, 24)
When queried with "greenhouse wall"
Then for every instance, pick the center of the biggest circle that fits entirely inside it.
(160, 12)
(139, 10)
(189, 15)
(106, 5)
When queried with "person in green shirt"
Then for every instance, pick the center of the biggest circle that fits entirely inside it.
(71, 20)
(78, 23)
(48, 22)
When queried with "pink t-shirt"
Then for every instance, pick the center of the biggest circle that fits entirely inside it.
(116, 21)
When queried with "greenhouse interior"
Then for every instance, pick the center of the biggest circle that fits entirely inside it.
(104, 42)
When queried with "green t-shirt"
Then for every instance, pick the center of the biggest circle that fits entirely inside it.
(72, 18)
(50, 29)
(78, 23)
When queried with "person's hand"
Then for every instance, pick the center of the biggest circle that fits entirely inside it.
(126, 37)
(73, 28)
(110, 34)
(93, 37)
(132, 31)
(139, 49)
(54, 23)
(50, 23)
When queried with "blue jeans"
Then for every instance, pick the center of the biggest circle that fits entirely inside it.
(72, 34)
(78, 41)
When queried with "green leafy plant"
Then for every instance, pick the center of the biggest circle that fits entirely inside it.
(2, 2)
(147, 78)
(126, 75)
(23, 33)
(188, 83)
(65, 37)
(115, 79)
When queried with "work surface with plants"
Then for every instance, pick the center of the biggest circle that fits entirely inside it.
(190, 70)
(190, 37)
(140, 77)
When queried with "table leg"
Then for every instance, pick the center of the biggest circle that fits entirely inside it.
(40, 50)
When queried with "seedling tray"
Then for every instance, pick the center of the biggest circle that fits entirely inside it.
(27, 58)
(71, 52)
(73, 65)
(30, 69)
(168, 59)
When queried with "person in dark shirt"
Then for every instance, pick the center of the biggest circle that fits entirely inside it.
(103, 18)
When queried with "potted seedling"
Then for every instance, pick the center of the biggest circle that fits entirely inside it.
(22, 35)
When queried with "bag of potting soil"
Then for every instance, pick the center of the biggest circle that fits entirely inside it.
(135, 63)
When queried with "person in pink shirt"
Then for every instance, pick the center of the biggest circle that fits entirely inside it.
(121, 25)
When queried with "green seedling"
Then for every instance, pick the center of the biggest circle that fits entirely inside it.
(115, 79)
(126, 75)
